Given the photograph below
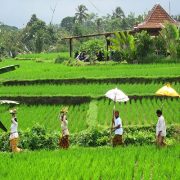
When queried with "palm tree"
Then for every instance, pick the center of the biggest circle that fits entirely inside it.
(81, 14)
(118, 13)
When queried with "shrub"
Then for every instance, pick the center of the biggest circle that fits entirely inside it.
(37, 138)
(91, 47)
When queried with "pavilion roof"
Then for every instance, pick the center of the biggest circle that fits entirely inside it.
(156, 19)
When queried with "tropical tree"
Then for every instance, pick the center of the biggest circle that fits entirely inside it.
(118, 13)
(81, 14)
(68, 23)
(10, 43)
(37, 36)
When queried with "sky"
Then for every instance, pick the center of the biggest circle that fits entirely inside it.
(18, 12)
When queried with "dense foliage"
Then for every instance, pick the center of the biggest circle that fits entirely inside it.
(38, 138)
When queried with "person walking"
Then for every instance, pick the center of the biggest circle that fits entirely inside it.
(14, 136)
(160, 129)
(64, 139)
(118, 130)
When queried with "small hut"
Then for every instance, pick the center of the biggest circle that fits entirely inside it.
(155, 20)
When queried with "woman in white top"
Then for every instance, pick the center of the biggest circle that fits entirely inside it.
(64, 140)
(160, 129)
(14, 136)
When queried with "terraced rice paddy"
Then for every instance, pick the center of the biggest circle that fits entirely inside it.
(93, 163)
(140, 162)
(91, 89)
(34, 70)
(135, 112)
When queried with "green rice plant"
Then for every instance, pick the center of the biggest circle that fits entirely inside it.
(30, 70)
(133, 113)
(42, 56)
(92, 112)
(143, 162)
(136, 113)
(47, 116)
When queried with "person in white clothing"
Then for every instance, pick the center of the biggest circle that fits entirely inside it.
(118, 129)
(14, 136)
(160, 129)
(64, 139)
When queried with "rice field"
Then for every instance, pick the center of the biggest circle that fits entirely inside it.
(140, 112)
(43, 56)
(145, 162)
(140, 162)
(30, 70)
(47, 116)
(133, 113)
(91, 89)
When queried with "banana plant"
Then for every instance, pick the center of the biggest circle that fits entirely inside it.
(125, 44)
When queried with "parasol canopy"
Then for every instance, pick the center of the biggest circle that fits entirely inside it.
(167, 90)
(8, 102)
(117, 95)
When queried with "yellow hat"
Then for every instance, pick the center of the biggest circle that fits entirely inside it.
(64, 110)
(13, 111)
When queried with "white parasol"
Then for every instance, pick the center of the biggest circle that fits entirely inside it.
(8, 102)
(117, 95)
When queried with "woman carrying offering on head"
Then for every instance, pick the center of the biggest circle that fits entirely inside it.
(64, 139)
(14, 136)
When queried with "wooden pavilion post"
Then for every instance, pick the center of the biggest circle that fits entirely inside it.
(70, 47)
(107, 46)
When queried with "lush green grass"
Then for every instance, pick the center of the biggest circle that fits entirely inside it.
(146, 162)
(96, 113)
(43, 56)
(37, 70)
(94, 89)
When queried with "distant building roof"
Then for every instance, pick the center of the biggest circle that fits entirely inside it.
(156, 19)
